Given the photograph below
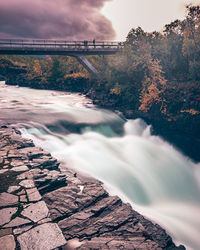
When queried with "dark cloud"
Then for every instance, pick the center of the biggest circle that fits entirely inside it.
(54, 19)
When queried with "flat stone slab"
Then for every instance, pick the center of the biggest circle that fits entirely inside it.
(25, 175)
(27, 183)
(8, 199)
(23, 198)
(17, 222)
(7, 242)
(13, 189)
(3, 171)
(46, 236)
(5, 231)
(36, 212)
(16, 163)
(21, 230)
(33, 194)
(20, 169)
(6, 214)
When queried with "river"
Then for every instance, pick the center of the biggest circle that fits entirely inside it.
(144, 170)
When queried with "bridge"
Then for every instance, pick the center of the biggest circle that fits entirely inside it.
(77, 49)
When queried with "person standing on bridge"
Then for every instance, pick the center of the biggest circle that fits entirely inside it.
(94, 43)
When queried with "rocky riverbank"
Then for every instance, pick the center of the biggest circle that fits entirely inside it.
(44, 205)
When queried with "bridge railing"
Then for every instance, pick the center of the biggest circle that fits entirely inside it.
(59, 44)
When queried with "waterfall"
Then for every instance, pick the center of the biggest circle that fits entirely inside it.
(144, 170)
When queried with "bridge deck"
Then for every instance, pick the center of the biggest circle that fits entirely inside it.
(49, 47)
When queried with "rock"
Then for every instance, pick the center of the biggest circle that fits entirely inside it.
(102, 243)
(53, 185)
(44, 221)
(25, 175)
(90, 223)
(6, 214)
(46, 236)
(47, 181)
(154, 231)
(1, 160)
(8, 199)
(67, 200)
(47, 162)
(14, 155)
(16, 163)
(27, 183)
(17, 222)
(6, 162)
(33, 165)
(33, 194)
(92, 214)
(3, 153)
(21, 230)
(7, 179)
(33, 152)
(22, 192)
(21, 142)
(20, 169)
(7, 242)
(13, 189)
(23, 198)
(38, 173)
(72, 244)
(5, 231)
(3, 171)
(107, 203)
(36, 212)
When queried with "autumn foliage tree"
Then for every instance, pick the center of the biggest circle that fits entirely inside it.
(138, 75)
(154, 84)
(37, 68)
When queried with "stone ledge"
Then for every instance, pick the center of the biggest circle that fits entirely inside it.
(24, 216)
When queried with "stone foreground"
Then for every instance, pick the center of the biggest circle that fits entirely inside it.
(47, 206)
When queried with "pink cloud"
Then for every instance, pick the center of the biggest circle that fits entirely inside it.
(54, 19)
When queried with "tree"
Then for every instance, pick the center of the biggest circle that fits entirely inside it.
(154, 85)
(57, 70)
(37, 68)
(191, 41)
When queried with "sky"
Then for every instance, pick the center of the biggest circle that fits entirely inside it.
(151, 15)
(85, 19)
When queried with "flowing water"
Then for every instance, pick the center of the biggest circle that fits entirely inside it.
(145, 170)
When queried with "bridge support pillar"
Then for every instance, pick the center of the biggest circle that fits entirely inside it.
(86, 64)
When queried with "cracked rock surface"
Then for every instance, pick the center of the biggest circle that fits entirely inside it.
(24, 217)
(44, 205)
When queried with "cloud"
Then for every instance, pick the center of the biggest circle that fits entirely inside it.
(54, 19)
